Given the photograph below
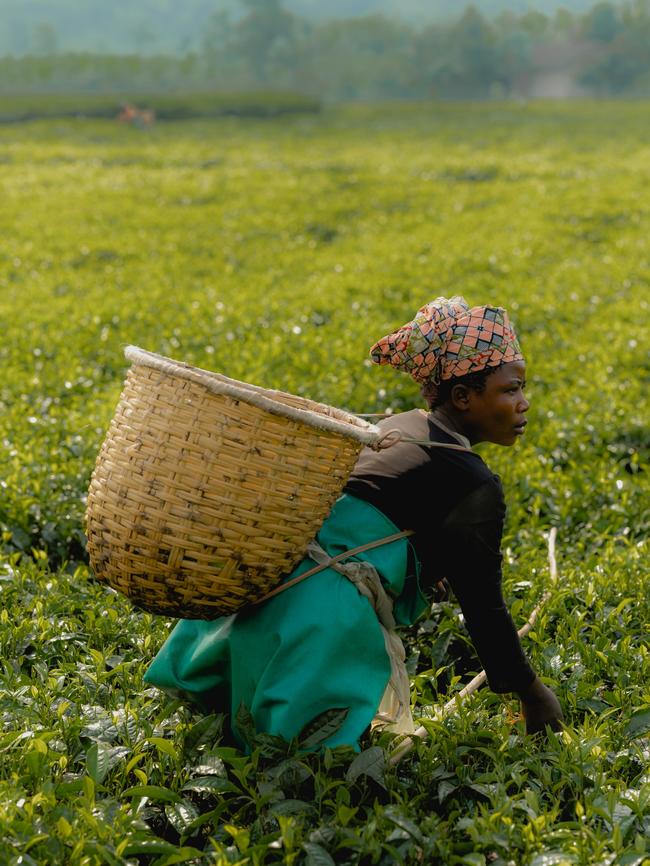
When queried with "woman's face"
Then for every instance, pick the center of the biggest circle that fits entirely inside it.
(497, 414)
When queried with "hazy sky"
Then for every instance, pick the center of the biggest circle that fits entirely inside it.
(152, 26)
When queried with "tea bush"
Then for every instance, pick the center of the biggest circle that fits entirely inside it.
(19, 107)
(276, 252)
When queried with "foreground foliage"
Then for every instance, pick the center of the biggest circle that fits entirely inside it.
(275, 252)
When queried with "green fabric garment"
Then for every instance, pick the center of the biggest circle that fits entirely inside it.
(316, 646)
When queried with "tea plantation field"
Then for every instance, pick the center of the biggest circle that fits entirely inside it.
(276, 251)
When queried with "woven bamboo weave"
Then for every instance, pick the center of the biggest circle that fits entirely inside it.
(207, 490)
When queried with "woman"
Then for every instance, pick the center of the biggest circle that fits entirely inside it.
(329, 641)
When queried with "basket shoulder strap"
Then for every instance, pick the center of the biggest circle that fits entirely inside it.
(394, 436)
(370, 545)
(426, 443)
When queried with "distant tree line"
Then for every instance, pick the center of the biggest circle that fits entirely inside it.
(604, 52)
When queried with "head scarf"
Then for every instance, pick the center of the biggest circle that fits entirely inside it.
(448, 339)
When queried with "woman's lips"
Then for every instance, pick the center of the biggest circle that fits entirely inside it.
(520, 428)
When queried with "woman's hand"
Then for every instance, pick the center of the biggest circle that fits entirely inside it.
(441, 591)
(540, 708)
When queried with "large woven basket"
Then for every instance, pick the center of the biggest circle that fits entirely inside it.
(207, 490)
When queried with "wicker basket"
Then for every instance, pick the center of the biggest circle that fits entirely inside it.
(207, 490)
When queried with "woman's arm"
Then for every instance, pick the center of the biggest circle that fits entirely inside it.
(472, 534)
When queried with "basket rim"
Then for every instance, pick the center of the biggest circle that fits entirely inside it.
(343, 423)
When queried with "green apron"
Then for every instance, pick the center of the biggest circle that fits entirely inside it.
(316, 646)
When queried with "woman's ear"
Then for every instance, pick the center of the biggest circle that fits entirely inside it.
(460, 397)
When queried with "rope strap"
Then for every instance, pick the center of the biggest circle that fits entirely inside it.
(370, 545)
(394, 436)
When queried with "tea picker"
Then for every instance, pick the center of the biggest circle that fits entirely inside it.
(211, 494)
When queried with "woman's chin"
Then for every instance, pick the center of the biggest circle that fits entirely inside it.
(508, 440)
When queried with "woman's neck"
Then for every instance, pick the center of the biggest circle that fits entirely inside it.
(449, 421)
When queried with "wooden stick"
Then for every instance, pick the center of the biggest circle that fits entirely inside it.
(421, 733)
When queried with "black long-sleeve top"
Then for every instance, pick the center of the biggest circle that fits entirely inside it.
(455, 506)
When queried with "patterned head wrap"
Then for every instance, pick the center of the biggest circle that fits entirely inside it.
(447, 338)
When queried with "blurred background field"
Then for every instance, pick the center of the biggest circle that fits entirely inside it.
(17, 108)
(274, 250)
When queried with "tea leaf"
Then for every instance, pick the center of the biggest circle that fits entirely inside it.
(290, 807)
(405, 824)
(181, 815)
(152, 792)
(245, 724)
(210, 785)
(316, 855)
(553, 858)
(210, 765)
(322, 727)
(203, 732)
(165, 746)
(371, 763)
(149, 846)
(271, 746)
(638, 725)
(180, 855)
(98, 761)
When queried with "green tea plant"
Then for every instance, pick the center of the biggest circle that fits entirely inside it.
(20, 107)
(275, 252)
